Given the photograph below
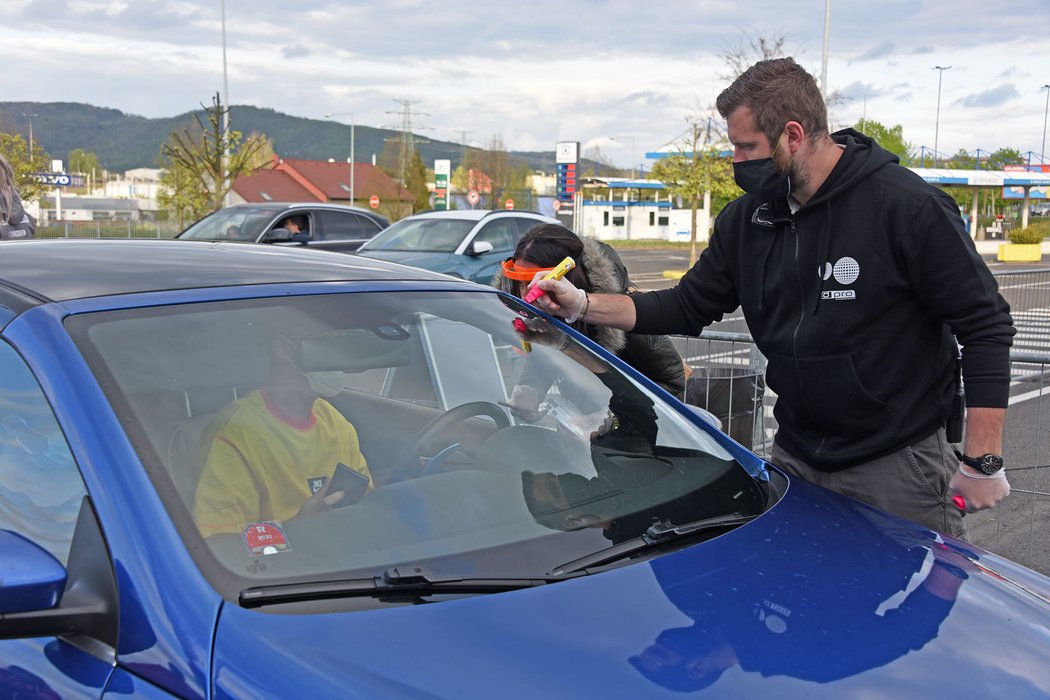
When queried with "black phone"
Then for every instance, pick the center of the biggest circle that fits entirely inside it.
(354, 484)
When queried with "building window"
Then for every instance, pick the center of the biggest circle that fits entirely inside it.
(617, 221)
(652, 218)
(664, 221)
(605, 218)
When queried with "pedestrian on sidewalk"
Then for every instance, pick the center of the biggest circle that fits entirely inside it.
(15, 223)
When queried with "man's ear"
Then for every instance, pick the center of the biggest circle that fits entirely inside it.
(796, 135)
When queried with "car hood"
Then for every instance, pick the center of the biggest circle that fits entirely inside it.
(821, 597)
(438, 262)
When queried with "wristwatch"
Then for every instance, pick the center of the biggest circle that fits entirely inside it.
(989, 464)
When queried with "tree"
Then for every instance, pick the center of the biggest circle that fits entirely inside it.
(891, 138)
(602, 164)
(183, 195)
(698, 172)
(13, 147)
(200, 152)
(749, 48)
(416, 180)
(84, 163)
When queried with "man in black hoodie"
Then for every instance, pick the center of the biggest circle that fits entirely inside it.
(858, 283)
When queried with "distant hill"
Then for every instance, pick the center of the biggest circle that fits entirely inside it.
(125, 141)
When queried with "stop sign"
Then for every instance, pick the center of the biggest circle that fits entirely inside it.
(510, 204)
(373, 201)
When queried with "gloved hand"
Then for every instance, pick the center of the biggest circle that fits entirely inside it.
(979, 491)
(525, 403)
(563, 299)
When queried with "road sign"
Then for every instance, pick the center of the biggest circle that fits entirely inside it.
(557, 205)
(373, 201)
(442, 171)
(60, 179)
(510, 204)
(473, 197)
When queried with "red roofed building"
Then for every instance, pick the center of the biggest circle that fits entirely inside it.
(298, 180)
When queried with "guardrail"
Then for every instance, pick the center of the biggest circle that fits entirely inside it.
(108, 229)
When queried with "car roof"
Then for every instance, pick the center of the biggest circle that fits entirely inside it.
(290, 206)
(475, 214)
(64, 269)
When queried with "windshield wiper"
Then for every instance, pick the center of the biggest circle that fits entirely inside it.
(657, 535)
(396, 582)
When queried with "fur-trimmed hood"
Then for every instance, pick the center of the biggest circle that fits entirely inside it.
(606, 274)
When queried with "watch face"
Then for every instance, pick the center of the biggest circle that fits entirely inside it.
(990, 464)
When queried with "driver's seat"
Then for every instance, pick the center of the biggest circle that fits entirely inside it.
(184, 457)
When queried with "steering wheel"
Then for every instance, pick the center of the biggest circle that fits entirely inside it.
(409, 463)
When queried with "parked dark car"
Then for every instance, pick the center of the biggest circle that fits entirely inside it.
(611, 545)
(324, 226)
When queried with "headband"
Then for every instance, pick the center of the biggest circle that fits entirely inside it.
(521, 274)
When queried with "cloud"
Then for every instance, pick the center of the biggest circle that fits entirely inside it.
(296, 51)
(989, 98)
(878, 51)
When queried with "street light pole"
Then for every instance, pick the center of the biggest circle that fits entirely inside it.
(30, 117)
(1042, 151)
(937, 119)
(824, 61)
(353, 122)
(225, 113)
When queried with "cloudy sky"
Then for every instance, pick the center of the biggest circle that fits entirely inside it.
(619, 74)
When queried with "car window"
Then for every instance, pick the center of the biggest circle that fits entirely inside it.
(232, 224)
(434, 235)
(525, 224)
(40, 485)
(501, 233)
(338, 225)
(409, 390)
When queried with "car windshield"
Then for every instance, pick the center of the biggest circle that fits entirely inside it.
(233, 224)
(243, 411)
(423, 235)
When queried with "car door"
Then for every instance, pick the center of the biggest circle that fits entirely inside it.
(342, 231)
(503, 234)
(41, 492)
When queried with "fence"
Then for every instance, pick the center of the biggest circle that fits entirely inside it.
(729, 381)
(108, 229)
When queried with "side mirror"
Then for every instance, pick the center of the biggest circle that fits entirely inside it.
(32, 579)
(277, 235)
(480, 248)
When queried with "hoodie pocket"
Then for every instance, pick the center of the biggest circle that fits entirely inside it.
(837, 401)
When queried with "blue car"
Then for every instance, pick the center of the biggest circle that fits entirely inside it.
(234, 471)
(466, 243)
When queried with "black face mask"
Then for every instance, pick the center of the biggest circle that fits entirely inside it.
(761, 178)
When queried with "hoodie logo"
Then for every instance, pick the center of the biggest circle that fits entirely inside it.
(845, 271)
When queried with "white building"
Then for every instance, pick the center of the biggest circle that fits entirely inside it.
(620, 209)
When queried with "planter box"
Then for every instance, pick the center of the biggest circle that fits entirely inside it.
(1020, 252)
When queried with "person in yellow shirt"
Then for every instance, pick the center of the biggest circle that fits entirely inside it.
(271, 455)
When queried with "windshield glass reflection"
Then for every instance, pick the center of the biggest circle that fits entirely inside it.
(348, 433)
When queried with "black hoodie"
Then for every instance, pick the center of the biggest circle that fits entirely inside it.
(854, 300)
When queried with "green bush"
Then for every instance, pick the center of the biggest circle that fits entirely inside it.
(1035, 233)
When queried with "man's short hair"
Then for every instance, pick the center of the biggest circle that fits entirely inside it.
(777, 91)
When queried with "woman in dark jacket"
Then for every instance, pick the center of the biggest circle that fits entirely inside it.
(598, 270)
(15, 223)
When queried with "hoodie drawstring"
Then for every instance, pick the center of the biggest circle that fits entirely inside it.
(824, 262)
